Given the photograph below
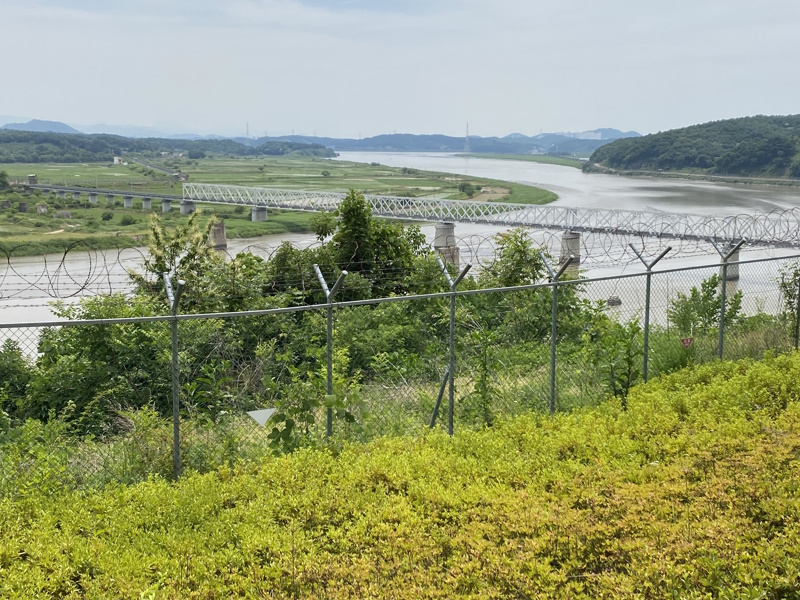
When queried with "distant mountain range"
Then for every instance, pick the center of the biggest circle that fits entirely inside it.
(584, 142)
(41, 126)
(516, 143)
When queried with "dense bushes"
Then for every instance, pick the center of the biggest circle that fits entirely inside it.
(691, 492)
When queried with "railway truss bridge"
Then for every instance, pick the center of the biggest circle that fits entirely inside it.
(774, 229)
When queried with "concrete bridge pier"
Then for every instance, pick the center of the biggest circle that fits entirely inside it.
(166, 205)
(444, 243)
(110, 199)
(570, 246)
(731, 282)
(217, 238)
(147, 204)
(187, 207)
(76, 195)
(733, 270)
(259, 213)
(127, 201)
(61, 194)
(92, 198)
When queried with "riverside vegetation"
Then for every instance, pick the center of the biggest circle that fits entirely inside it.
(113, 226)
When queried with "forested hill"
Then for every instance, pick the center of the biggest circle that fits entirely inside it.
(37, 147)
(758, 146)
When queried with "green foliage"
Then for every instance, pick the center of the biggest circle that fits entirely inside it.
(127, 220)
(352, 241)
(700, 310)
(88, 374)
(691, 492)
(323, 225)
(466, 188)
(478, 406)
(517, 261)
(183, 253)
(789, 283)
(3, 180)
(15, 372)
(41, 147)
(107, 215)
(615, 351)
(754, 146)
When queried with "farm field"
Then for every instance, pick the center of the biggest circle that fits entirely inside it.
(691, 492)
(112, 226)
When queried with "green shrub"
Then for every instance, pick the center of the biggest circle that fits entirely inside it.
(691, 492)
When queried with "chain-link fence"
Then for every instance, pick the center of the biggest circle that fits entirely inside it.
(119, 400)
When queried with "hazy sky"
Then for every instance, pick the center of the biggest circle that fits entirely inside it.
(363, 67)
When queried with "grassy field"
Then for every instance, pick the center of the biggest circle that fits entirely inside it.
(86, 223)
(70, 222)
(307, 173)
(539, 158)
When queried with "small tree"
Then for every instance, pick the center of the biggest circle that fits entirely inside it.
(183, 252)
(3, 180)
(789, 283)
(352, 243)
(700, 309)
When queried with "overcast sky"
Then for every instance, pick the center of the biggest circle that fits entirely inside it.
(345, 68)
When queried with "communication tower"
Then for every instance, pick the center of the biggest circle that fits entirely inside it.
(466, 140)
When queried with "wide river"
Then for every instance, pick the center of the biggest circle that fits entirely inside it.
(581, 190)
(27, 285)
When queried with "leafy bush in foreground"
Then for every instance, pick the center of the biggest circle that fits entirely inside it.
(691, 492)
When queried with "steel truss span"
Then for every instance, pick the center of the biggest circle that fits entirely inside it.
(776, 228)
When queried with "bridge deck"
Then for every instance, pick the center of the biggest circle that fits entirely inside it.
(780, 228)
(777, 228)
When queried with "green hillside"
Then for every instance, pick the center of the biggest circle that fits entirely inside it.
(43, 147)
(761, 146)
(693, 492)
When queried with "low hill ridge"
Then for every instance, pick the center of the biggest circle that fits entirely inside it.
(759, 146)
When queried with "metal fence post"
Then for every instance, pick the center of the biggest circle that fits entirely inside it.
(649, 267)
(329, 294)
(554, 275)
(723, 290)
(453, 283)
(797, 316)
(174, 299)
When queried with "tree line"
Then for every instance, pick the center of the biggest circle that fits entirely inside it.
(38, 147)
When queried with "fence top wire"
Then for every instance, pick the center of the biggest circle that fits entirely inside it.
(372, 301)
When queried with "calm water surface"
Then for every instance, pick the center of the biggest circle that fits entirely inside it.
(581, 190)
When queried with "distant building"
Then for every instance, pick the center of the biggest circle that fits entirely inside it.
(118, 160)
(32, 178)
